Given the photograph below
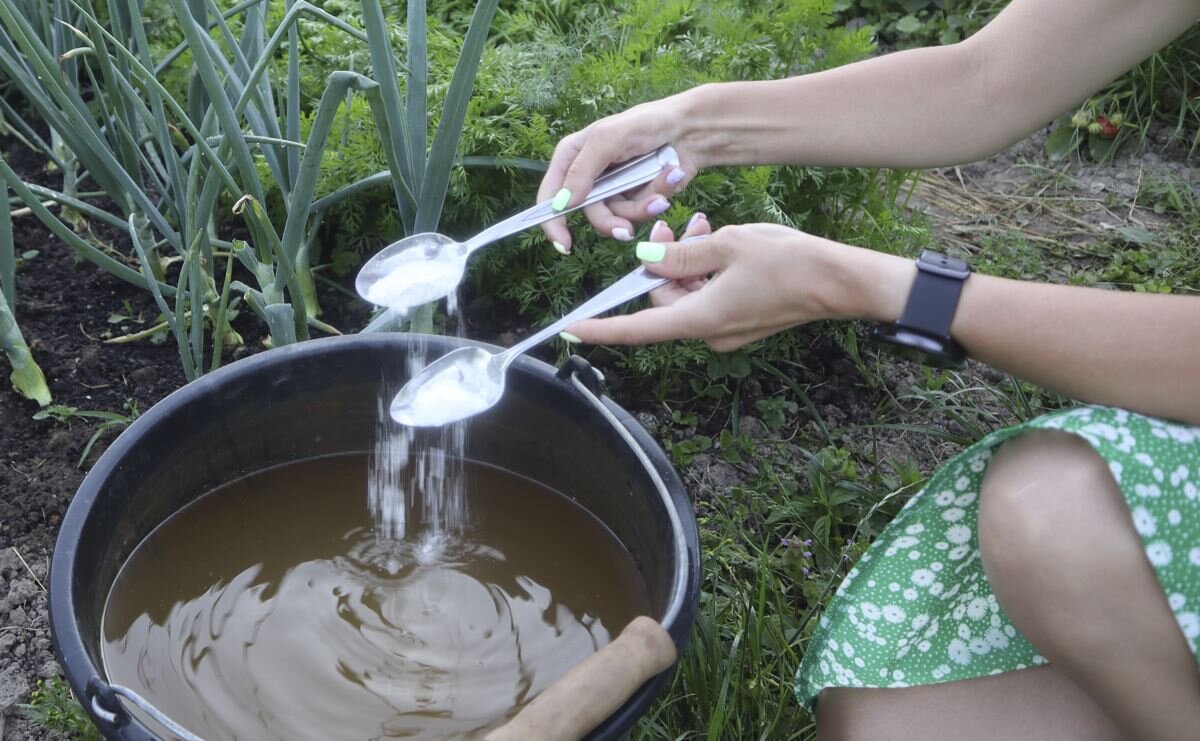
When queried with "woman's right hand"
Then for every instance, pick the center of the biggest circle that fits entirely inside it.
(581, 157)
(743, 283)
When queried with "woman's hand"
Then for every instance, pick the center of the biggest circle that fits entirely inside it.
(581, 157)
(744, 283)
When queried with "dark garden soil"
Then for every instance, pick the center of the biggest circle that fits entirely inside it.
(68, 310)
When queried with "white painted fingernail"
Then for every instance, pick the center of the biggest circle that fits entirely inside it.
(676, 176)
(622, 234)
(696, 218)
(657, 206)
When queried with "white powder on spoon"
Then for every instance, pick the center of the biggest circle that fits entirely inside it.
(414, 283)
(455, 393)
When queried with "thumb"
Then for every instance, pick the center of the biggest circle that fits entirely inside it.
(694, 259)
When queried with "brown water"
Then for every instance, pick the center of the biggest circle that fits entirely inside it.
(270, 609)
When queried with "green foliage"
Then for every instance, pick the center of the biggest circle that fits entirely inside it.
(775, 550)
(53, 707)
(64, 414)
(910, 23)
(174, 160)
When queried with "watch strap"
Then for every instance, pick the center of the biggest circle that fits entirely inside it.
(933, 299)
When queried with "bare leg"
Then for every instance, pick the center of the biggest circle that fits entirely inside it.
(1036, 703)
(1068, 567)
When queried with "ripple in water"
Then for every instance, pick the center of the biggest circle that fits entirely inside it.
(269, 609)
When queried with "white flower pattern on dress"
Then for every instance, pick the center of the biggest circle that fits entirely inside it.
(917, 608)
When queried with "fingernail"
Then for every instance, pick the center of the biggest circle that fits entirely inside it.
(657, 206)
(622, 234)
(568, 337)
(676, 176)
(561, 199)
(696, 218)
(562, 248)
(651, 251)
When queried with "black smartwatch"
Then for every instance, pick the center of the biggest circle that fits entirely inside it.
(923, 332)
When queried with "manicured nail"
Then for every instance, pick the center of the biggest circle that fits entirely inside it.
(657, 206)
(696, 218)
(561, 199)
(562, 248)
(622, 234)
(568, 337)
(651, 251)
(676, 176)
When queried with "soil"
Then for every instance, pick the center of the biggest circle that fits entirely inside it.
(64, 308)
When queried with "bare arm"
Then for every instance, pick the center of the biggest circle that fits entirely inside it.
(935, 106)
(918, 108)
(1132, 350)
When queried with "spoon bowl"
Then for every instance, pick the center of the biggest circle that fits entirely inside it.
(457, 385)
(416, 270)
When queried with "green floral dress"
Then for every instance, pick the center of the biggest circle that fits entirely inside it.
(917, 608)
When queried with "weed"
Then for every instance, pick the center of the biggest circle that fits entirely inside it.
(53, 707)
(64, 415)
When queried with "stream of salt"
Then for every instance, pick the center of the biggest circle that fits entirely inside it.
(430, 504)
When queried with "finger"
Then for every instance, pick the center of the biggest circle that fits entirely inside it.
(697, 226)
(736, 340)
(606, 222)
(559, 235)
(661, 232)
(680, 261)
(602, 148)
(649, 325)
(556, 172)
(668, 293)
(648, 207)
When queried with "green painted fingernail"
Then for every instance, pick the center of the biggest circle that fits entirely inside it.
(561, 199)
(562, 248)
(651, 251)
(570, 338)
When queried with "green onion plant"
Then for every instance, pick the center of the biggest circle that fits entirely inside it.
(170, 167)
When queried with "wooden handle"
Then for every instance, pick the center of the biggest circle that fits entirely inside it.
(595, 688)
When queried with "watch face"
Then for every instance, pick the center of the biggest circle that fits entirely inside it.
(936, 262)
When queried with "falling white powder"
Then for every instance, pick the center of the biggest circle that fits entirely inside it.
(414, 283)
(455, 393)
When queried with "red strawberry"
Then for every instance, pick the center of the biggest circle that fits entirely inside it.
(1108, 129)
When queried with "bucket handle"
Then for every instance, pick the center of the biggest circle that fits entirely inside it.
(589, 382)
(107, 707)
(577, 369)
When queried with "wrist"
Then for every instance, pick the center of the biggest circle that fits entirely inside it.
(869, 285)
(698, 128)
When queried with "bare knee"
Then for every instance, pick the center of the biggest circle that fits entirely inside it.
(1034, 487)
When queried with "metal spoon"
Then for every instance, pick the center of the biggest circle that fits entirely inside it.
(469, 380)
(392, 278)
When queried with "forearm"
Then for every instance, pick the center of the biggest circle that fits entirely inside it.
(1131, 350)
(935, 106)
(910, 109)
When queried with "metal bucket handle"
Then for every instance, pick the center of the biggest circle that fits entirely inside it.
(589, 382)
(105, 701)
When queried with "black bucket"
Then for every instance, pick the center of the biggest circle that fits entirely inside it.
(320, 398)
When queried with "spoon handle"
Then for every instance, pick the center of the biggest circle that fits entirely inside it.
(631, 174)
(634, 284)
